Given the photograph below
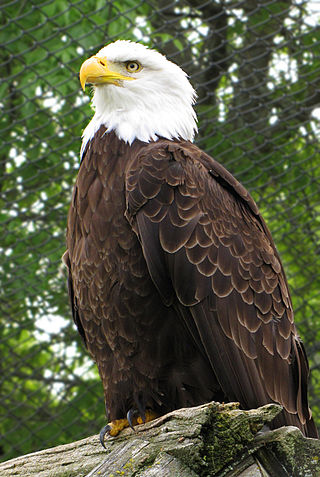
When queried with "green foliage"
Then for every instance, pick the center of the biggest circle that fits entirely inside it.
(255, 110)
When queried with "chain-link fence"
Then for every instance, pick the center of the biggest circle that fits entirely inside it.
(256, 67)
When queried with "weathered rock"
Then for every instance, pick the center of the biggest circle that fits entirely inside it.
(204, 441)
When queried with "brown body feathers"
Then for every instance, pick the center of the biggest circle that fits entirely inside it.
(176, 286)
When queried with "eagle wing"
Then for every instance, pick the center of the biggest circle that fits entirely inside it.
(211, 257)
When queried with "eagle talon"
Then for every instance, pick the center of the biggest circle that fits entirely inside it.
(106, 429)
(130, 414)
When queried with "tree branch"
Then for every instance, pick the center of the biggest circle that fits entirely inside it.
(212, 439)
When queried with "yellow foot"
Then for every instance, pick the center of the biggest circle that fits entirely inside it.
(149, 416)
(114, 427)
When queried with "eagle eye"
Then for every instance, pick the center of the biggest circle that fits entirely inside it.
(133, 66)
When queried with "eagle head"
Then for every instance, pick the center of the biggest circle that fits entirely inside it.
(139, 94)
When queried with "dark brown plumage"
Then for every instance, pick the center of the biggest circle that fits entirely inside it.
(176, 286)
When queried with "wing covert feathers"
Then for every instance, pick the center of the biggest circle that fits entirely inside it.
(210, 254)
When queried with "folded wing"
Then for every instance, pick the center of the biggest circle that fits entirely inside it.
(211, 256)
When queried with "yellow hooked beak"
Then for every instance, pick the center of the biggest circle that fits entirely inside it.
(95, 70)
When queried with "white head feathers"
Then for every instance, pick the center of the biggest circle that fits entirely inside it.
(157, 104)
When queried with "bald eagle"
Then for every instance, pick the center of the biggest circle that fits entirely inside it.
(175, 283)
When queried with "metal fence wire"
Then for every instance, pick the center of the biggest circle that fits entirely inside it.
(256, 67)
